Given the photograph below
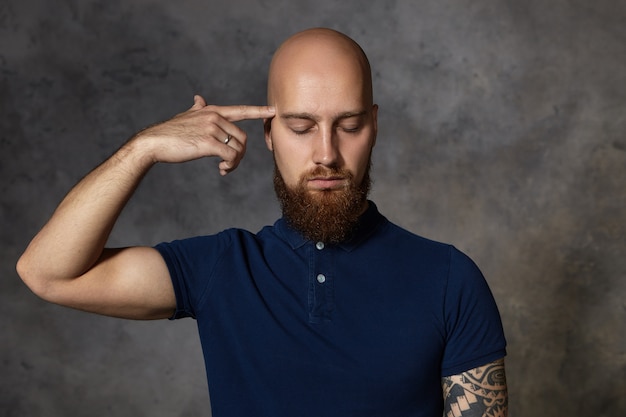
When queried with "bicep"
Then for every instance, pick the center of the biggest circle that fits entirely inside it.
(479, 392)
(129, 283)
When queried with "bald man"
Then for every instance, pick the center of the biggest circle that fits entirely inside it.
(331, 311)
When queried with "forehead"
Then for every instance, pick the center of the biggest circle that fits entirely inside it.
(314, 88)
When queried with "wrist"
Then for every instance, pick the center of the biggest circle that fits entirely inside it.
(139, 151)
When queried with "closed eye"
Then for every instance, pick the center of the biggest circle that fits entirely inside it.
(351, 123)
(350, 129)
(300, 125)
(300, 130)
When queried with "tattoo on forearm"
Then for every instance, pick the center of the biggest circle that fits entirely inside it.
(480, 392)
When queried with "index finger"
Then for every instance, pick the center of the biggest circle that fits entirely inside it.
(245, 112)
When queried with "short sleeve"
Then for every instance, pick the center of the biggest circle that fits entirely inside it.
(474, 333)
(191, 263)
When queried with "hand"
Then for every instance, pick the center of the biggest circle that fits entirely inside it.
(201, 132)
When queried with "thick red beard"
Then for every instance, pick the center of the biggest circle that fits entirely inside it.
(328, 216)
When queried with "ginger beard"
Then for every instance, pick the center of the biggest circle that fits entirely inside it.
(330, 215)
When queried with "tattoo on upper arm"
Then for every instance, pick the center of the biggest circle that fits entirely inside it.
(479, 392)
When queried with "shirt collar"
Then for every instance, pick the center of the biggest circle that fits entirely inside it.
(368, 223)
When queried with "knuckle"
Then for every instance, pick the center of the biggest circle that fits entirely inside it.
(231, 154)
(213, 117)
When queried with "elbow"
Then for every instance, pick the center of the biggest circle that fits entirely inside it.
(22, 268)
(34, 280)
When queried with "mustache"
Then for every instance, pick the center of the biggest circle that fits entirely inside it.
(327, 172)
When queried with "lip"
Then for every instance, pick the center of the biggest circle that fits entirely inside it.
(329, 183)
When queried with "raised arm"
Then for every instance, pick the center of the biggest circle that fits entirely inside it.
(67, 263)
(479, 392)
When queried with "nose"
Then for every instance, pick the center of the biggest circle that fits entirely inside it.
(325, 148)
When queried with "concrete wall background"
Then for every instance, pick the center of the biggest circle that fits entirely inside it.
(502, 130)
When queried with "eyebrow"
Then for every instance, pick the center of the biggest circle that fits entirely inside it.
(310, 116)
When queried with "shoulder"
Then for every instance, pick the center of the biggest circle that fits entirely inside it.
(397, 239)
(198, 245)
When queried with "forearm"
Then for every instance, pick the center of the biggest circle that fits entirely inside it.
(66, 261)
(74, 237)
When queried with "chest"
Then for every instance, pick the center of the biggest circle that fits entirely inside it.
(377, 315)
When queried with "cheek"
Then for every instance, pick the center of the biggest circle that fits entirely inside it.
(359, 161)
(290, 149)
(289, 162)
(359, 154)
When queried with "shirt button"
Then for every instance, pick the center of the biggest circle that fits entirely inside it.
(321, 278)
(319, 245)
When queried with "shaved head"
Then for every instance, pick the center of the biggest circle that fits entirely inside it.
(318, 55)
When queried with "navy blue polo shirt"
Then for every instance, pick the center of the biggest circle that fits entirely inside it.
(291, 327)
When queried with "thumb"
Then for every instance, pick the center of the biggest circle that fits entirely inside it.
(198, 102)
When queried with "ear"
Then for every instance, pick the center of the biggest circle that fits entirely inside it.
(375, 122)
(267, 128)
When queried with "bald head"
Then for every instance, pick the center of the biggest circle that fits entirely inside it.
(319, 58)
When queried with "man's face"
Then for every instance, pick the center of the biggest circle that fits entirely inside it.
(322, 137)
(323, 121)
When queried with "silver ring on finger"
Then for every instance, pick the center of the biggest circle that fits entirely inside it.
(228, 138)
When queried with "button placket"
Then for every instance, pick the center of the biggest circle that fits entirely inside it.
(321, 302)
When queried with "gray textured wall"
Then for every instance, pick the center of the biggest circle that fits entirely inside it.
(502, 130)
